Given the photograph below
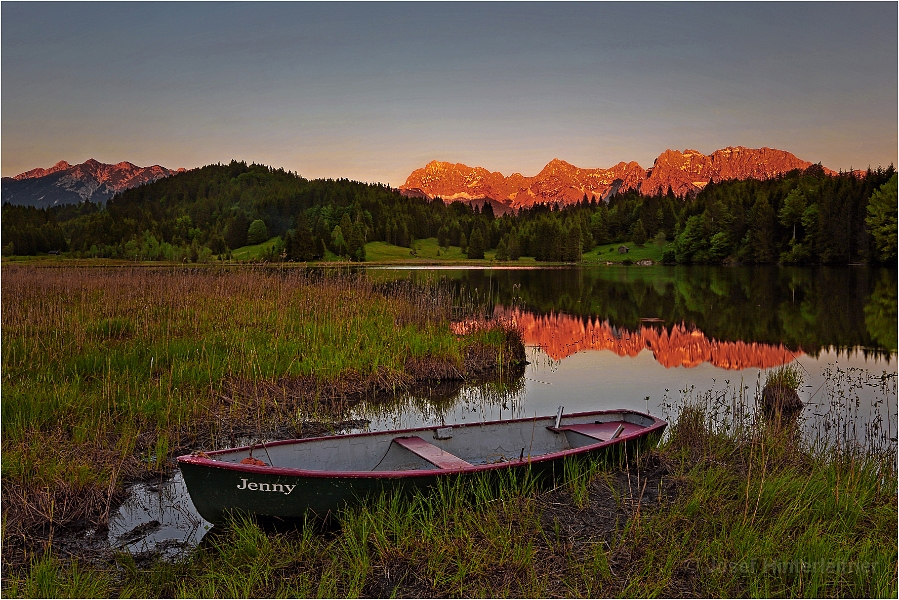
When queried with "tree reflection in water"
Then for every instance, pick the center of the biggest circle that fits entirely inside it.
(812, 309)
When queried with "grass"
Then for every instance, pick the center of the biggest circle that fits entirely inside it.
(109, 373)
(423, 250)
(38, 258)
(609, 253)
(427, 251)
(788, 376)
(254, 252)
(724, 507)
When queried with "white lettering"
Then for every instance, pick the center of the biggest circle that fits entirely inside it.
(284, 488)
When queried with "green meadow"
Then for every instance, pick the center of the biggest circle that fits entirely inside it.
(651, 250)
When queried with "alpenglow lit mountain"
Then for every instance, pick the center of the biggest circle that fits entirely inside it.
(69, 184)
(684, 172)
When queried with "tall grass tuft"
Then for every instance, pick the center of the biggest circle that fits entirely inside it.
(787, 509)
(789, 376)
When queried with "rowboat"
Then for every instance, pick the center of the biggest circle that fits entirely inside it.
(293, 479)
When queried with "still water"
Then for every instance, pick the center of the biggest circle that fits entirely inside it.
(632, 337)
(640, 337)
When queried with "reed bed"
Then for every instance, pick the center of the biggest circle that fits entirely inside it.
(722, 508)
(728, 505)
(109, 372)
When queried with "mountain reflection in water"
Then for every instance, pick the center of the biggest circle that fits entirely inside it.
(561, 335)
(738, 311)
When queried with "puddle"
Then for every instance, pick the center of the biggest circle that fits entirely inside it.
(157, 517)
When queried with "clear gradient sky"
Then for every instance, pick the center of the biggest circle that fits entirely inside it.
(372, 91)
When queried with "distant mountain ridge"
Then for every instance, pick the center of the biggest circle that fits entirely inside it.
(684, 172)
(69, 184)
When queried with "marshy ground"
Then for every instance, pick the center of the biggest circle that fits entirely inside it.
(110, 373)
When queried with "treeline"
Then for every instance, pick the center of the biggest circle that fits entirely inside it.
(804, 217)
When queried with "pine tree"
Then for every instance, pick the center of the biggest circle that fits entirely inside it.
(236, 231)
(573, 247)
(762, 247)
(639, 235)
(881, 220)
(477, 244)
(513, 244)
(502, 253)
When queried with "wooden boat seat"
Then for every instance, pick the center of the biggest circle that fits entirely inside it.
(600, 431)
(431, 453)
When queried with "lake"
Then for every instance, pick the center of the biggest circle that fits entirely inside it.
(641, 337)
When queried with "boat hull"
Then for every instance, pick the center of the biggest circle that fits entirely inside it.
(217, 493)
(219, 489)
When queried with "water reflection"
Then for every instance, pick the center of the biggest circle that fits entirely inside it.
(561, 335)
(157, 517)
(450, 403)
(608, 338)
(615, 337)
(814, 309)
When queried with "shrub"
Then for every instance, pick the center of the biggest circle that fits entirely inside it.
(257, 233)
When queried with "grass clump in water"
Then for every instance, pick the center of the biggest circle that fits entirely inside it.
(788, 376)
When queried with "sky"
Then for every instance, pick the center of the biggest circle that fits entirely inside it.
(372, 91)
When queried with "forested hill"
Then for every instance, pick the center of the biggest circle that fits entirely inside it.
(804, 217)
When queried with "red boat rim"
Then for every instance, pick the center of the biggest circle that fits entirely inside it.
(193, 459)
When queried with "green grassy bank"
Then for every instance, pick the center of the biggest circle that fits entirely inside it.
(109, 373)
(428, 251)
(424, 251)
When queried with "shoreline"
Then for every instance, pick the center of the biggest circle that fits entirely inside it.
(112, 372)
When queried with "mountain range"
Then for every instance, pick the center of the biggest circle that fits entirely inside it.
(69, 184)
(684, 173)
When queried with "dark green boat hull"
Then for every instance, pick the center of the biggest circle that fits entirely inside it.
(220, 491)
